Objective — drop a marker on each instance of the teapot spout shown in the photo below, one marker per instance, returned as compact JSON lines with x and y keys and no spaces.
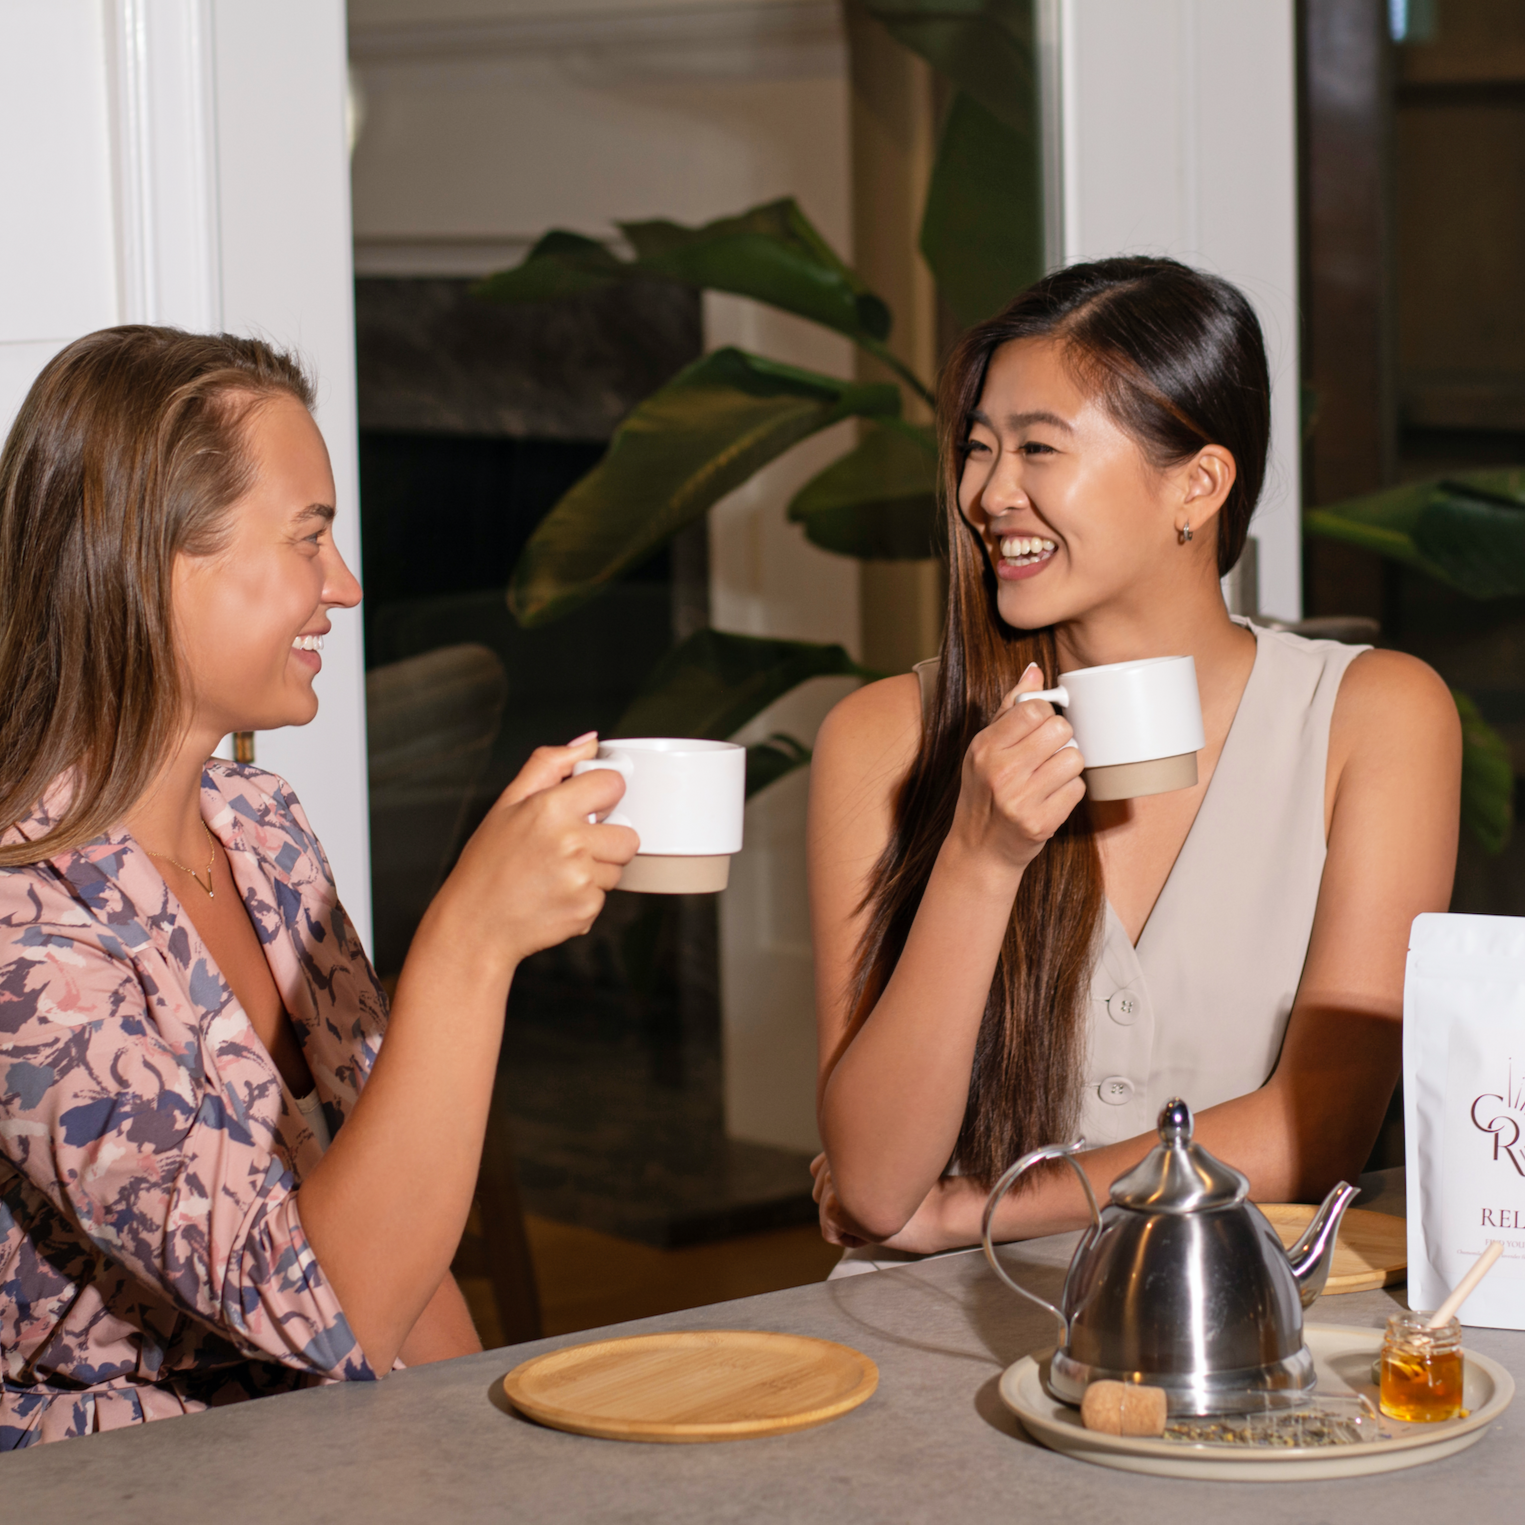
{"x":1311,"y":1256}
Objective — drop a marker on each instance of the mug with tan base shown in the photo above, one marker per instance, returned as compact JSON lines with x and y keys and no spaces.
{"x":1138,"y":725}
{"x":683,"y":798}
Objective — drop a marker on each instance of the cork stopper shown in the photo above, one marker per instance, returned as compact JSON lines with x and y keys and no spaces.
{"x":1123,"y":1408}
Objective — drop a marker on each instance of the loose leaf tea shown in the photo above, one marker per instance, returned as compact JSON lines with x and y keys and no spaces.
{"x":1300,"y":1427}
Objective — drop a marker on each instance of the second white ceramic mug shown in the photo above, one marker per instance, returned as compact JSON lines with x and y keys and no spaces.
{"x":1138,"y":724}
{"x":684,"y":799}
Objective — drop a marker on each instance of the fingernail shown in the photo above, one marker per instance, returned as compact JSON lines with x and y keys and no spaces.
{"x":577,"y":741}
{"x":1031,"y":667}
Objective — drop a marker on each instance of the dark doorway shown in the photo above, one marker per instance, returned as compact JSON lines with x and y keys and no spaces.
{"x":475,"y":419}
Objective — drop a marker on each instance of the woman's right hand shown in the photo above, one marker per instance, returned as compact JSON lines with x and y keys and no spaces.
{"x":536,"y":871}
{"x":1020,"y":781}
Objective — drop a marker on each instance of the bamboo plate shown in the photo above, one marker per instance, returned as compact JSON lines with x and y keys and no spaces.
{"x":1372,"y":1249}
{"x":1342,"y":1356}
{"x":692,"y":1385}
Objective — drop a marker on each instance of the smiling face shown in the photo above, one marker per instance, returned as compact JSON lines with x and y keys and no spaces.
{"x":1072,"y":515}
{"x":250,"y":618}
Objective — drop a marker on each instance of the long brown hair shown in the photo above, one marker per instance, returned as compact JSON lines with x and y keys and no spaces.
{"x":1177,"y":359}
{"x":126,"y":454}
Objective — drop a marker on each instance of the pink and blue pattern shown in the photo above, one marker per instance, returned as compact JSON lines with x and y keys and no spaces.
{"x":152,"y":1259}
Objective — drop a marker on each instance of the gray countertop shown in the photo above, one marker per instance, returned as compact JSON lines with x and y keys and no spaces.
{"x":934,"y":1443}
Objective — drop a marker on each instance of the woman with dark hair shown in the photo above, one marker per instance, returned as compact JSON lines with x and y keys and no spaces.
{"x":216,"y":1179}
{"x":1002,"y":964}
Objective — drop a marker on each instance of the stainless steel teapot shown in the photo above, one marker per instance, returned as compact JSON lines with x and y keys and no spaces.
{"x":1182,"y":1283}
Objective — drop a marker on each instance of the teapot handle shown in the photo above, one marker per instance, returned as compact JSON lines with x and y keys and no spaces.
{"x":1004,"y":1185}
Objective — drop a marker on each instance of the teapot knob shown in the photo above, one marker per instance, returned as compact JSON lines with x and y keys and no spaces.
{"x":1175,"y":1122}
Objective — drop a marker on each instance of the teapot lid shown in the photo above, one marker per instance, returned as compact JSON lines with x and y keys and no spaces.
{"x":1178,"y":1176}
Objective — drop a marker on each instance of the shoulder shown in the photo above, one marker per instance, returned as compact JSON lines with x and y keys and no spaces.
{"x":878,"y":722}
{"x":1383,"y":690}
{"x":268,"y":811}
{"x":253,"y":786}
{"x":68,"y":958}
{"x":44,"y":920}
{"x":1394,"y":713}
{"x":1375,"y":690}
{"x":863,"y":751}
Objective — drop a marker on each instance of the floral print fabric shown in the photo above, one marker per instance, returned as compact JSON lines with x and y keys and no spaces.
{"x":152,"y":1259}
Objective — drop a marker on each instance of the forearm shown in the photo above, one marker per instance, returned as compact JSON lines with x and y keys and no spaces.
{"x":444,"y":1329}
{"x":385,"y":1208}
{"x":894,"y":1102}
{"x":1293,"y":1139}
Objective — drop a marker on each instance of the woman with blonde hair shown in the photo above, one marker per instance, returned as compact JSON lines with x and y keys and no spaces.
{"x":225,"y":1170}
{"x":1002,"y":964}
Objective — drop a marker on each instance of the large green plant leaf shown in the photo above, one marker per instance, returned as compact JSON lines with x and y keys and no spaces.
{"x":678,"y":452}
{"x":984,"y":46}
{"x":1382,"y":522}
{"x":772,"y":253}
{"x":560,"y":265}
{"x":879,"y":501}
{"x":773,"y":759}
{"x":713,"y":683}
{"x":1467,"y":531}
{"x":1487,"y":778}
{"x":1476,"y":536}
{"x":982,"y":228}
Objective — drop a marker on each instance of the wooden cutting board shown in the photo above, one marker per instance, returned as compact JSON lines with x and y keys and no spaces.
{"x":1371,"y":1251}
{"x":692,"y":1385}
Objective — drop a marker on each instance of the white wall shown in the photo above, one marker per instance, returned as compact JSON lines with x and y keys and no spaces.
{"x":1172,"y":129}
{"x":183,"y":162}
{"x":284,"y":231}
{"x":764,"y":580}
{"x":60,"y":280}
{"x":488,"y":121}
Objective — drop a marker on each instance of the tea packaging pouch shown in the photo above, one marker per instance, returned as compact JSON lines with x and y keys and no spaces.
{"x":1464,"y":1111}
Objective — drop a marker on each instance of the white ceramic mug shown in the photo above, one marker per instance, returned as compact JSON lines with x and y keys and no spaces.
{"x":1138,"y":724}
{"x":684,"y":799}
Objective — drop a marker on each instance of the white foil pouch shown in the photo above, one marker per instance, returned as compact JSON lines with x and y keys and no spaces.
{"x":1464,"y":1111}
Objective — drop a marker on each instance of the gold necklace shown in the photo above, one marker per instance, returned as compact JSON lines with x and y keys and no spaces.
{"x":211,"y":861}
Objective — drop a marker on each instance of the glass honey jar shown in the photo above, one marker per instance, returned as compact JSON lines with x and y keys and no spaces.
{"x":1421,"y":1369}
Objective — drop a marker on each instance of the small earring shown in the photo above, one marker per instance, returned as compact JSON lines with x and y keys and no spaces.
{"x":1183,"y":535}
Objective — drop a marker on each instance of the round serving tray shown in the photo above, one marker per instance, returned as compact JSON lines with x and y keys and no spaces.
{"x":1342,"y":1355}
{"x":692,"y":1385}
{"x":1371,"y":1250}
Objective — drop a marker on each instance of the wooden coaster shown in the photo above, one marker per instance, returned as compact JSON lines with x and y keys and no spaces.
{"x":692,"y":1385}
{"x":1371,"y":1251}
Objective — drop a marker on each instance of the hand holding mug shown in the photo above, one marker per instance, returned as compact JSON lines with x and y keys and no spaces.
{"x":1138,"y":724}
{"x":536,"y":871}
{"x":1130,"y":729}
{"x":1021,"y":779}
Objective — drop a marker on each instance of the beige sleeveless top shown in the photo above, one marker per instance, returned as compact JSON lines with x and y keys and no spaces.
{"x":1199,"y":1007}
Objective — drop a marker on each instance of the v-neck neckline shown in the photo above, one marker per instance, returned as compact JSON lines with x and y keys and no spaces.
{"x":1196,"y":820}
{"x":231,"y":836}
{"x":271,"y":862}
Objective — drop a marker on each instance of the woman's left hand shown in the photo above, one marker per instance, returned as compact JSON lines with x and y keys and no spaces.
{"x":836,"y":1226}
{"x":924,"y":1234}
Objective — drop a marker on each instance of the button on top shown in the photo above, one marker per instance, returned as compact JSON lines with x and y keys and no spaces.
{"x":1122,"y":1007}
{"x":1116,"y":1090}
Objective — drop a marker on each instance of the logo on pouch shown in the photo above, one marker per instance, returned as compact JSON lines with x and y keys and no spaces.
{"x":1503,"y":1116}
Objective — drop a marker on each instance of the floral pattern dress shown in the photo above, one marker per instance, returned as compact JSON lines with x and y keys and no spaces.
{"x":152,"y":1259}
